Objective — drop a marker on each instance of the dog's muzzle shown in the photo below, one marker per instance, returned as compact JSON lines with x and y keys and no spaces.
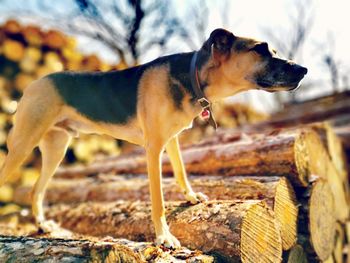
{"x":286,"y":77}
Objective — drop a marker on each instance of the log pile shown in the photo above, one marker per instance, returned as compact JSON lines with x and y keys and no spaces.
{"x":27,"y":53}
{"x":278,"y":190}
{"x":288,"y":175}
{"x":334,"y":109}
{"x":230,"y":230}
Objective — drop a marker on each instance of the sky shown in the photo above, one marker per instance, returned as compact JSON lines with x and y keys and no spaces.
{"x":329,"y":33}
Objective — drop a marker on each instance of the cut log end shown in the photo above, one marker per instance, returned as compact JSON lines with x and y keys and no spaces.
{"x":322,"y":219}
{"x":260,"y":238}
{"x":286,"y":212}
{"x":310,"y":155}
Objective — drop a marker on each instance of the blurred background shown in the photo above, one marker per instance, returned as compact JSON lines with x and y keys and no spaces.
{"x":38,"y":37}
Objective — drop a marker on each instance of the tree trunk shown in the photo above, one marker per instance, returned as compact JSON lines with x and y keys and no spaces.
{"x":294,"y":154}
{"x":317,"y":220}
{"x":87,"y":249}
{"x":244,"y":230}
{"x":276,"y":191}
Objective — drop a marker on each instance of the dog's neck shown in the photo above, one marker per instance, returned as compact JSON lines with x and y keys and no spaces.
{"x":201,"y":98}
{"x":217,"y":87}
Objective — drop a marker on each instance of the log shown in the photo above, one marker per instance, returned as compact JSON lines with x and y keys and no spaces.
{"x":54,"y":39}
{"x":335,"y":149}
{"x":344,"y":135}
{"x":295,"y":255}
{"x":316,"y":110}
{"x":276,"y":191}
{"x":294,"y":154}
{"x":12,"y":27}
{"x":338,"y":190}
{"x":13,"y":50}
{"x":232,"y":230}
{"x":23,"y":80}
{"x":87,"y":249}
{"x":339,"y":243}
{"x":317,"y":221}
{"x":33,"y":35}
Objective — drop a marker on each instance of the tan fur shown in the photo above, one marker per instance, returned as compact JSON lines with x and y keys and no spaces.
{"x":232,"y":72}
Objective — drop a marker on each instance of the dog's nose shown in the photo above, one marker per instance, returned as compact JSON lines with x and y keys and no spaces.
{"x":300,"y":70}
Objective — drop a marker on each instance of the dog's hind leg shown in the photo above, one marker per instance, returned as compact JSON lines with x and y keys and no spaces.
{"x":35,"y":114}
{"x":53,"y":147}
{"x":173,"y":150}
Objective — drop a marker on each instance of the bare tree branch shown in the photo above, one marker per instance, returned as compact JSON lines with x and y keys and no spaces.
{"x":119,"y":25}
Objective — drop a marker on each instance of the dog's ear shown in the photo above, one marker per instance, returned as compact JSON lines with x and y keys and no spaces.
{"x":219,"y":44}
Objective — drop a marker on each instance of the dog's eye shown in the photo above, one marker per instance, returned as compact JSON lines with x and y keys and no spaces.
{"x":262,"y":49}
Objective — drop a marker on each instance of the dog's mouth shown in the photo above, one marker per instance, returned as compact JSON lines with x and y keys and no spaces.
{"x":278,"y":86}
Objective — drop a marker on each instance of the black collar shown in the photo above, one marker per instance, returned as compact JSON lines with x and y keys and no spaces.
{"x":207,"y":113}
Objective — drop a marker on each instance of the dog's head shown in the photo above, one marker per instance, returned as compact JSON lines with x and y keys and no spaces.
{"x":246,"y":63}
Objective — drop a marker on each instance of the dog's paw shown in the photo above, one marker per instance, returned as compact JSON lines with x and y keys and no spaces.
{"x":168,"y":240}
{"x":52,"y":228}
{"x":195,"y":198}
{"x":48,"y":226}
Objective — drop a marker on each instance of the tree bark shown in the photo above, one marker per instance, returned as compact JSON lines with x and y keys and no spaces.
{"x":244,"y":230}
{"x":317,"y":220}
{"x":293,"y":154}
{"x":87,"y":249}
{"x":276,"y":191}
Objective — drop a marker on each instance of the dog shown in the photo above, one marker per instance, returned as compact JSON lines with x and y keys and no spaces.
{"x":148,"y":105}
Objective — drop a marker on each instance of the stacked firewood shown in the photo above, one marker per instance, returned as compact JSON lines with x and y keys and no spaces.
{"x":284,"y":190}
{"x":278,"y":190}
{"x":273,"y":188}
{"x":28,"y":53}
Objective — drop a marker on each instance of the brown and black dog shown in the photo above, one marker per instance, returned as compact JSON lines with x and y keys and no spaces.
{"x":148,"y":105}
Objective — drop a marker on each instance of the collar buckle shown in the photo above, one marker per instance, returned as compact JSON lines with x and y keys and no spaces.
{"x":204,"y":103}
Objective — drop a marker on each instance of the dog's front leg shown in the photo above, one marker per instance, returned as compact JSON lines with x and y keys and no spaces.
{"x":163,"y":236}
{"x":173,"y":150}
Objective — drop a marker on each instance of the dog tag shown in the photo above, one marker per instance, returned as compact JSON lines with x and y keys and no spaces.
{"x":205,"y":114}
